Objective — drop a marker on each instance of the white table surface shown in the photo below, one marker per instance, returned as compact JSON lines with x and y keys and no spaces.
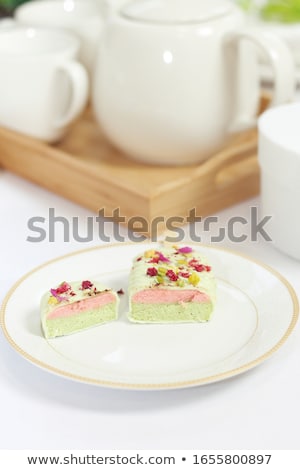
{"x":259,"y":409}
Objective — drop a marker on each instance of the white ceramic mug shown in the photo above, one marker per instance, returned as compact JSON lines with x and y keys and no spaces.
{"x":175,"y":77}
{"x":7,"y":23}
{"x":82,"y":17}
{"x":43,"y":88}
{"x":279,"y":158}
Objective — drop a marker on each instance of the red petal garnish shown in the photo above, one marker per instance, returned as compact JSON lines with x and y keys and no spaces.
{"x":86,"y":285}
{"x":139,"y":259}
{"x":152,"y":272}
{"x":186,"y":275}
{"x":57,"y":296}
{"x":64,"y":287}
{"x":171,"y":275}
{"x":120,"y":292}
{"x":199,"y":268}
{"x":154,"y":260}
{"x":193,"y":262}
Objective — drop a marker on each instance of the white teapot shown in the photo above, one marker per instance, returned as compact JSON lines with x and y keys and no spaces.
{"x":174,"y":78}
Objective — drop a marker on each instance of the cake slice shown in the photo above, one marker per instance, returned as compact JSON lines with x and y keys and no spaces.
{"x":171,"y":285}
{"x":75,"y":306}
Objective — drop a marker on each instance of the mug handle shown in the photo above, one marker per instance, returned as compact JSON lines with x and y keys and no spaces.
{"x":78,"y":78}
{"x":283,"y":66}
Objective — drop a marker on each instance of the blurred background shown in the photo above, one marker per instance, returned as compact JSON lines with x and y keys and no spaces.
{"x":7,"y":6}
{"x":278,"y":10}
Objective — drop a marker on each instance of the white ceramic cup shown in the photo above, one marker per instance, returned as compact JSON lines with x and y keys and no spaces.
{"x":42,"y":86}
{"x":82,"y":17}
{"x":7,"y":23}
{"x":175,"y":77}
{"x":279,"y":158}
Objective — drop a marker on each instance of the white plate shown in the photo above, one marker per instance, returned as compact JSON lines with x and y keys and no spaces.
{"x":256,"y":311}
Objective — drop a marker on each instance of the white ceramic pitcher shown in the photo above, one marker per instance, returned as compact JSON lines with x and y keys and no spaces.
{"x":175,"y":77}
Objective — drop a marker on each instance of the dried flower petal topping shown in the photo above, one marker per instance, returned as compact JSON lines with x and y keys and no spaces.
{"x":185,"y":249}
{"x":56,"y":294}
{"x":58,"y":297}
{"x":86,"y":285}
{"x":180,"y":267}
{"x":152,"y":272}
{"x":171,"y":275}
{"x":162,"y":258}
{"x":199,"y":268}
{"x":63,"y":288}
{"x":193,"y":262}
{"x":120,"y":292}
{"x":184,"y":274}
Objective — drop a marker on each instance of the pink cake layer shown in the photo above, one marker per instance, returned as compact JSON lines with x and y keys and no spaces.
{"x":82,"y":306}
{"x":165,"y":296}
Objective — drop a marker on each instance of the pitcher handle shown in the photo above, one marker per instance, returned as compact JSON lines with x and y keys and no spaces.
{"x":283,"y":67}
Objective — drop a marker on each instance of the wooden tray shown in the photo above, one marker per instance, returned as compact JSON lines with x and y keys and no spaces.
{"x":88,"y":170}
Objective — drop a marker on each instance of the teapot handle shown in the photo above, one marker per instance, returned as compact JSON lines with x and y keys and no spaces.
{"x":244,"y":59}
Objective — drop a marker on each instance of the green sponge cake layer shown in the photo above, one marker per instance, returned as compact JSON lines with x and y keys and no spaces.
{"x":171,"y":285}
{"x":66,"y":326}
{"x":167,"y":313}
{"x":76,"y":306}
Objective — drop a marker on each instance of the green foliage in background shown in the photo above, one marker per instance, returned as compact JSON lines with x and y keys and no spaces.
{"x":245,"y":4}
{"x":286,"y":11}
{"x":10,"y":4}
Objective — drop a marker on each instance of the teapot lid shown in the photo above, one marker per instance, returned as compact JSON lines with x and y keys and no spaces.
{"x":175,"y":11}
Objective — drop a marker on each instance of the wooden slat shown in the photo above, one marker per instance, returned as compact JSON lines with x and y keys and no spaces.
{"x":88,"y":170}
